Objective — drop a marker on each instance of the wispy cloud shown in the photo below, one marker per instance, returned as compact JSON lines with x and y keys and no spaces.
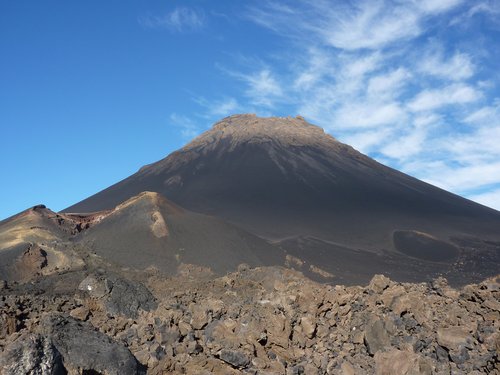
{"x":388,"y":85}
{"x":413,"y":139}
{"x":449,"y":95}
{"x":217,"y":108}
{"x":465,"y":178}
{"x":456,"y":68}
{"x":489,"y":7}
{"x":181,"y":19}
{"x":490,"y":198}
{"x":368,"y":114}
{"x":435,"y":7}
{"x":379,"y":77}
{"x":188,"y":127}
{"x":363,"y":25}
{"x":262,"y":87}
{"x":487,"y":115}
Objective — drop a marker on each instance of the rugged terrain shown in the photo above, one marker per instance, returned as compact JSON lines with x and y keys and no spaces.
{"x":253,"y":321}
{"x":264,"y":246}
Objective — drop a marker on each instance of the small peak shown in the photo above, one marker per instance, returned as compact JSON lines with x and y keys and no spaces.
{"x":149,"y":194}
{"x":154,"y":198}
{"x":40,"y":209}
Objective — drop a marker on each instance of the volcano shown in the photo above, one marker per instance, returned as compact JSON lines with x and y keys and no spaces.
{"x":149,"y":231}
{"x":289,"y":182}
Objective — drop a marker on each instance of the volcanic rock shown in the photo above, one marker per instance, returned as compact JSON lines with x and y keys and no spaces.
{"x":399,"y":362}
{"x":83,"y":348}
{"x":376,"y":336}
{"x":453,"y":337}
{"x":256,"y":320}
{"x":31,"y":354}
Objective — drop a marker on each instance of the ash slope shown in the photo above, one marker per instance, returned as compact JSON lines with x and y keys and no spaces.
{"x":284,"y":179}
{"x":149,"y":231}
{"x":145,"y":231}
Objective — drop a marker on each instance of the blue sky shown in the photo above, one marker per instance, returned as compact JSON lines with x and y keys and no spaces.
{"x":92,"y":90}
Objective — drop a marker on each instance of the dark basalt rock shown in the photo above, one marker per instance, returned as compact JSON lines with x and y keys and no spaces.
{"x":83,"y":348}
{"x":120,"y":296}
{"x":234,"y":358}
{"x":31,"y":354}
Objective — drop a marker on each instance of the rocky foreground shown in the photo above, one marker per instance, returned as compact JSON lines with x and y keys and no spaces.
{"x":256,"y":321}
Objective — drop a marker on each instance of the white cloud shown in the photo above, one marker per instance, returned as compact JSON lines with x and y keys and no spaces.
{"x":367,"y":115}
{"x":434,"y":7}
{"x":488,"y":7}
{"x":224,"y":108}
{"x":181,"y":19}
{"x":217,"y":108}
{"x":449,"y":95}
{"x":356,"y":66}
{"x":466,"y":178}
{"x":262,"y":87}
{"x":457,"y":67}
{"x":490,"y":199}
{"x":489,"y":114}
{"x":368,"y":24}
{"x":189,"y":128}
{"x":388,"y":85}
{"x":407,"y":145}
{"x":412,"y":140}
{"x":367,"y":140}
{"x":319,"y":64}
{"x":482,"y":144}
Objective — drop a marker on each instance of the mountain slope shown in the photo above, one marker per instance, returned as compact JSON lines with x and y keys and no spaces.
{"x":285,"y":179}
{"x":149,"y":231}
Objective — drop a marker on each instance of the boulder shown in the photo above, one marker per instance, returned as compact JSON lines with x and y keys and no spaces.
{"x":83,"y":348}
{"x":347,"y":369}
{"x":80,"y":313}
{"x":31,"y":354}
{"x":379,"y":283}
{"x":399,"y":362}
{"x":235,"y":358}
{"x":120,"y":296}
{"x":127,"y":297}
{"x":453,"y":337}
{"x":96,"y":286}
{"x":199,"y":316}
{"x":308,"y":326}
{"x":376,"y":337}
{"x":492,"y":304}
